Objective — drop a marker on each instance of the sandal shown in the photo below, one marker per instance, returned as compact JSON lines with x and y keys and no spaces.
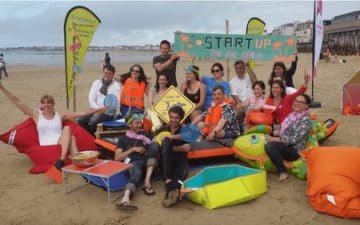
{"x":148,"y":190}
{"x":126,"y":206}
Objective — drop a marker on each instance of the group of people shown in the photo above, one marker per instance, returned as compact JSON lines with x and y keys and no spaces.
{"x":220,"y":108}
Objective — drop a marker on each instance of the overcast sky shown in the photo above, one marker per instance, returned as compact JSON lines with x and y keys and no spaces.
{"x":148,"y":22}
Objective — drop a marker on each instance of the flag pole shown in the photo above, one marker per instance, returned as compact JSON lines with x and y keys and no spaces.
{"x":313,"y":104}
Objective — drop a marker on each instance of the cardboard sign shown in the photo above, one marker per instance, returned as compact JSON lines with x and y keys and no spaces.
{"x":231,"y":46}
{"x":171,"y":97}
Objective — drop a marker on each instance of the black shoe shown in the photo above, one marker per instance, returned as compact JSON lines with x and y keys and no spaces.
{"x":59,"y":164}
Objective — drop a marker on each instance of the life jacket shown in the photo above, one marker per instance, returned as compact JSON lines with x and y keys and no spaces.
{"x":213,"y":116}
{"x":133,"y":94}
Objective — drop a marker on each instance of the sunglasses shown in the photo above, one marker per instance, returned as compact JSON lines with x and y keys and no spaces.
{"x":215,"y":71}
{"x":135,"y":71}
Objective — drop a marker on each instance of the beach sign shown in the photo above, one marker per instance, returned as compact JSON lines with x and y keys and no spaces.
{"x":171,"y":97}
{"x":232,"y":46}
{"x":79,"y":27}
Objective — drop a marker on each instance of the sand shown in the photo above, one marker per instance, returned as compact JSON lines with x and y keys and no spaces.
{"x":36,"y":200}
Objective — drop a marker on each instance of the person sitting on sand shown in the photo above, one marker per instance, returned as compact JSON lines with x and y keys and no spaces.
{"x":134,"y":147}
{"x":99,"y":90}
{"x":174,"y":163}
{"x":49,"y":123}
{"x":220,"y":120}
{"x":294,"y":132}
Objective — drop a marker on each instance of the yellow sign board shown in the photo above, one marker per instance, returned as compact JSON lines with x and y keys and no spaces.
{"x":172,"y":96}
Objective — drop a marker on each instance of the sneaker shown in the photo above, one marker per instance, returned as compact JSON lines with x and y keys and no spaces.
{"x":59,"y":164}
{"x":171,"y":199}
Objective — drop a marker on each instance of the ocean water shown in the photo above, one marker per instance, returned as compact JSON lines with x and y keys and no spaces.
{"x":57,"y":58}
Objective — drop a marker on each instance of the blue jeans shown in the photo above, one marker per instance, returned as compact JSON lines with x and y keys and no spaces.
{"x":134,"y":110}
{"x":137,"y":171}
{"x":90,"y":122}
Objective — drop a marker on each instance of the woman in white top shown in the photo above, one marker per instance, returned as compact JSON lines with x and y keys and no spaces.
{"x":49,"y":123}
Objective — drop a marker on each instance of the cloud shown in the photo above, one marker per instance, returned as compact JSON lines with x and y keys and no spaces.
{"x":131,"y":23}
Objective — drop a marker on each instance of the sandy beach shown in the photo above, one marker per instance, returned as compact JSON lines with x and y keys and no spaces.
{"x":27,"y":199}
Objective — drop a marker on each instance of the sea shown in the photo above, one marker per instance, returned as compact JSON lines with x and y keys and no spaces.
{"x":57,"y":58}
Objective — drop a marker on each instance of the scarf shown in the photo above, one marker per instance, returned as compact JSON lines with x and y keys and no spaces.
{"x":139,"y":137}
{"x":290,"y":119}
{"x":105,"y":85}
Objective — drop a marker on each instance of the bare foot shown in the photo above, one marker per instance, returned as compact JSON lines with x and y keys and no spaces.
{"x":283,"y":177}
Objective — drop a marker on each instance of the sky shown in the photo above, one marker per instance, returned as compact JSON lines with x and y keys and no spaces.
{"x":34,"y":23}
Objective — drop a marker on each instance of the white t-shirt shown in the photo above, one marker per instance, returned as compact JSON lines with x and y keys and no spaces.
{"x":290,"y":90}
{"x":49,"y":131}
{"x":96,"y":98}
{"x":241,"y":87}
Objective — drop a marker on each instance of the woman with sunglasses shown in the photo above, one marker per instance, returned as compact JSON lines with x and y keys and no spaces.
{"x":193,"y":89}
{"x":49,"y":123}
{"x":135,"y":86}
{"x":294,"y":132}
{"x":217,"y":71}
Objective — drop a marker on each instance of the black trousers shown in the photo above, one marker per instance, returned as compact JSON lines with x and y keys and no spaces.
{"x":278,"y":151}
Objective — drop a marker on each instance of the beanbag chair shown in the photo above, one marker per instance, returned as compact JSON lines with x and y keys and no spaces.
{"x":256,"y":117}
{"x":221,"y":186}
{"x":333,"y":185}
{"x":25,"y":139}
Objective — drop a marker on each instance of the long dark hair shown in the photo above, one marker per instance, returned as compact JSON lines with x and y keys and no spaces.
{"x":141,"y":78}
{"x":282,"y":86}
{"x":272,"y":75}
{"x":157,"y":82}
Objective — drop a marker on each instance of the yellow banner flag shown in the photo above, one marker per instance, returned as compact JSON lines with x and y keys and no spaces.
{"x":255,"y":26}
{"x":79,"y":27}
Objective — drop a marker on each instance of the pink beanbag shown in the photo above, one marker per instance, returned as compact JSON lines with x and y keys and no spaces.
{"x":24,"y":138}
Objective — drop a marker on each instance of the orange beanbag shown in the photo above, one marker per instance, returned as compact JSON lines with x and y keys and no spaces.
{"x":334,"y":180}
{"x":256,"y":117}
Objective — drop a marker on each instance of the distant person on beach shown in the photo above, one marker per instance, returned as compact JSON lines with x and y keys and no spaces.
{"x":217,"y":70}
{"x":2,"y":66}
{"x":99,"y":90}
{"x":135,"y":147}
{"x":106,"y":61}
{"x":49,"y":123}
{"x":135,"y":87}
{"x":165,"y":63}
{"x":280,"y":69}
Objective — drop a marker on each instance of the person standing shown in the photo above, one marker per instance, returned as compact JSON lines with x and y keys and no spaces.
{"x":98,"y":91}
{"x":2,"y":66}
{"x":165,"y":63}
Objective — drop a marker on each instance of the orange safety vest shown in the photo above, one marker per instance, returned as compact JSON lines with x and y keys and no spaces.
{"x":133,"y":93}
{"x":213,"y":116}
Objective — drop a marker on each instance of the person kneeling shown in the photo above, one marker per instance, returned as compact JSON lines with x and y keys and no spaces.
{"x":220,"y":120}
{"x":134,"y":147}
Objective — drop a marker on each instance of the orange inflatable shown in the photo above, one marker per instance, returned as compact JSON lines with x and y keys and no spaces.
{"x":334,"y":180}
{"x":256,"y":117}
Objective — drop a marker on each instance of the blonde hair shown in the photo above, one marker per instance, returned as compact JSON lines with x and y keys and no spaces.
{"x":47,"y":98}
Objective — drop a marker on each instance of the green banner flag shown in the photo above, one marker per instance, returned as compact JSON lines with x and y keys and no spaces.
{"x":231,"y":46}
{"x":79,"y":27}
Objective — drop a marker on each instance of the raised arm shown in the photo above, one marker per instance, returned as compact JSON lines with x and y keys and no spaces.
{"x":74,"y":115}
{"x":251,"y":73}
{"x":20,"y":104}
